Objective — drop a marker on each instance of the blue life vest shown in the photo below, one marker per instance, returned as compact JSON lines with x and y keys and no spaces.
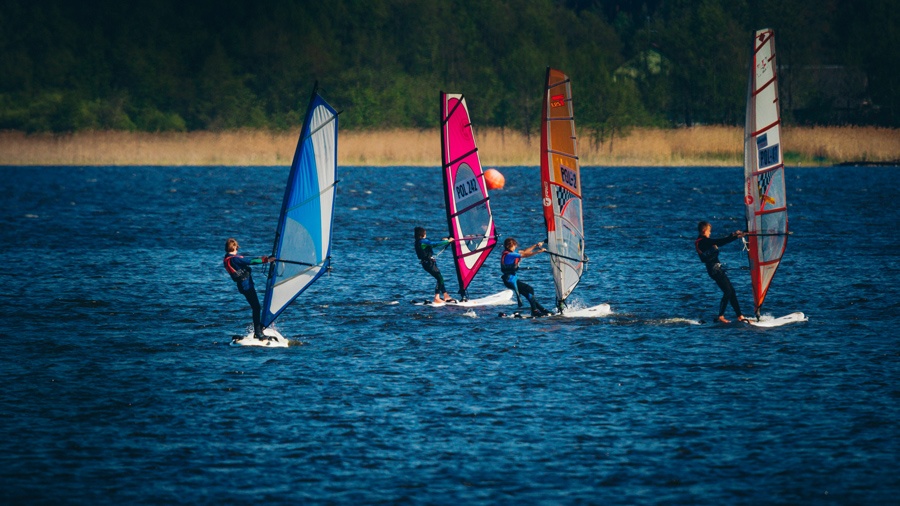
{"x":506,"y":268}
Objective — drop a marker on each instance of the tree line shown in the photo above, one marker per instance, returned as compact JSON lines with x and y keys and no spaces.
{"x":165,"y":65}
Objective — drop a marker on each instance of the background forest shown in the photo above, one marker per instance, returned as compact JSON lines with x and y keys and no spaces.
{"x":165,"y":65}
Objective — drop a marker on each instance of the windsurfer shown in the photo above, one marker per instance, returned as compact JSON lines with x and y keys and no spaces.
{"x":239,"y":269}
{"x":509,"y":265}
{"x":425,"y":253}
{"x":708,"y":251}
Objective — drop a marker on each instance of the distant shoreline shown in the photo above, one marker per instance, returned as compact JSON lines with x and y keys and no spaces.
{"x":703,"y":146}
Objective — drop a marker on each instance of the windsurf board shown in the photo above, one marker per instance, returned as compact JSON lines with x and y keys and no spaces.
{"x":525,"y":314}
{"x":505,"y":297}
{"x":429,"y":302}
{"x":777,"y":322}
{"x":276,"y":340}
{"x":597,"y":311}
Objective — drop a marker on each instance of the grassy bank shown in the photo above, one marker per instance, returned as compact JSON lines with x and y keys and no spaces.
{"x":709,"y":145}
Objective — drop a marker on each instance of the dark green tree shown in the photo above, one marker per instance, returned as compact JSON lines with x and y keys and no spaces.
{"x":158,"y":65}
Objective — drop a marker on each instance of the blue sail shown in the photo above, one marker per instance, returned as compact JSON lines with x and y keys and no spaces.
{"x":303,"y":238}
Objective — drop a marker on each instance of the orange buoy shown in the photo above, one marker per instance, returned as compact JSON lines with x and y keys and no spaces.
{"x":494,"y":179}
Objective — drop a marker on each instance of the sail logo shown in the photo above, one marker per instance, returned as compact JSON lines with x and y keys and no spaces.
{"x":763,"y":66}
{"x":557,"y":101}
{"x":467,"y":188}
{"x":568,"y":176}
{"x":768,"y":156}
{"x":466,"y":185}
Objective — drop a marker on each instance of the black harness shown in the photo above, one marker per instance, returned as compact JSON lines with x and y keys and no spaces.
{"x":709,"y":257}
{"x":424,"y":252}
{"x":237,"y":275}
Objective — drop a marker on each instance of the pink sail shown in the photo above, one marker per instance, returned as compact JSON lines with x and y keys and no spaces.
{"x":465,"y":192}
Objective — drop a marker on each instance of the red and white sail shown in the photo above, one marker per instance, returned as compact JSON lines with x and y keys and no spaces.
{"x":764,"y":186}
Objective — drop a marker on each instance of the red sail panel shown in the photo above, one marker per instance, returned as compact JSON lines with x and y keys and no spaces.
{"x":466,"y":195}
{"x":561,"y":185}
{"x":764,"y":185}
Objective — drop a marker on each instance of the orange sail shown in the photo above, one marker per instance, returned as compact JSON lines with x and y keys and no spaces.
{"x":561,"y":186}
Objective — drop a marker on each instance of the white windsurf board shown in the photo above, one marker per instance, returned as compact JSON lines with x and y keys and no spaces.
{"x":597,"y":311}
{"x":428,"y":302}
{"x":777,"y":322}
{"x":276,"y":340}
{"x":505,"y":297}
{"x":524,"y":314}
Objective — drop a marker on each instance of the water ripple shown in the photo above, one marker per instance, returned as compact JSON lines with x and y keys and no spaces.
{"x":120,"y":385}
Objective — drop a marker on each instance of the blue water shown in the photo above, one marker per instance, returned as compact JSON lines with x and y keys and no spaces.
{"x":119,"y":387}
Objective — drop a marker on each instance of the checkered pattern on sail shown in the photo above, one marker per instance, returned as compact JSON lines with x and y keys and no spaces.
{"x":562,"y":196}
{"x":763,"y":182}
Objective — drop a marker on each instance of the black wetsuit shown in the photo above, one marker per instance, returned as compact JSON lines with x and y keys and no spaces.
{"x":708,"y":251}
{"x":425,"y":252}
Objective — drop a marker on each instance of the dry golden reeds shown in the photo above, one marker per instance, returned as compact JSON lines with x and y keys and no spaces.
{"x":706,"y":145}
{"x":823,"y":144}
{"x":390,"y":147}
{"x":244,"y":147}
{"x":709,"y":145}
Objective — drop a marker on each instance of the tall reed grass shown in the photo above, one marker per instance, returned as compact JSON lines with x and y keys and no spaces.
{"x":706,"y":145}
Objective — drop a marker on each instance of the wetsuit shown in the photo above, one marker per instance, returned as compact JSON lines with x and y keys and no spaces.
{"x":425,"y":252}
{"x":708,"y":251}
{"x":239,"y":269}
{"x":509,"y":265}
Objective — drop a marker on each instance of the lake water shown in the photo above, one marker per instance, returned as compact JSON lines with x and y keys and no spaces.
{"x":119,"y":386}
